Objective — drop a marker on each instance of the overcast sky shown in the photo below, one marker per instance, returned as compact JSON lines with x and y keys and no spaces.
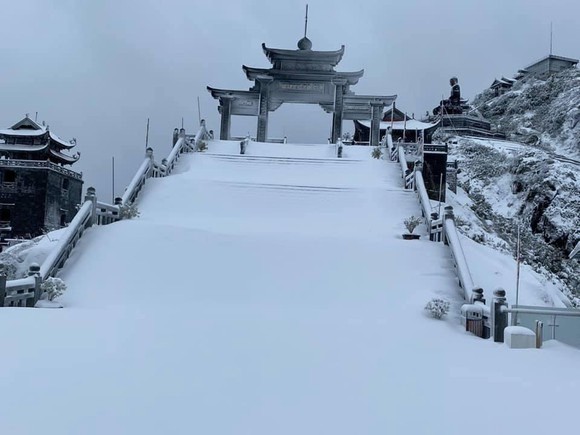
{"x":97,"y":69}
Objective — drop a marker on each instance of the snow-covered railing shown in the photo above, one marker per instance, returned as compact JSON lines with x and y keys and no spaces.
{"x":19,"y":292}
{"x":138,"y":180}
{"x":84,"y":218}
{"x":40,"y":164}
{"x":440,"y":228}
{"x":422,"y":192}
{"x":451,"y":238}
{"x":107,"y":213}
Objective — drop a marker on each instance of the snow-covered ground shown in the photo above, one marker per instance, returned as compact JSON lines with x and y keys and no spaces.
{"x":271,"y":293}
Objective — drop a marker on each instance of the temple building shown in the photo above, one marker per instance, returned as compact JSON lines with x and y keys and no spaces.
{"x":300,"y":76}
{"x":37,"y":191}
{"x":502,"y":85}
{"x":403,"y":128}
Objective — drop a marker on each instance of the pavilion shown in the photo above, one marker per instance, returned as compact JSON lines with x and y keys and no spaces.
{"x":301,"y":76}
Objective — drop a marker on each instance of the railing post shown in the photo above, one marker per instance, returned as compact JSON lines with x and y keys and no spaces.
{"x":499,"y":316}
{"x":175,"y":135}
{"x":539,"y":333}
{"x":2,"y":288}
{"x":339,"y":148}
{"x":447,"y":214}
{"x":477,"y":295}
{"x":34,"y":270}
{"x":91,"y":195}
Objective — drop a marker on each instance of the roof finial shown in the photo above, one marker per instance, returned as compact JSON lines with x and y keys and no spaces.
{"x":27,"y":115}
{"x":306,"y":21}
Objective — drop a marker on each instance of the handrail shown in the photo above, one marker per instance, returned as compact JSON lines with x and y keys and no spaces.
{"x":452,"y":239}
{"x":137,"y":182}
{"x":423,"y":196}
{"x":58,"y":256}
{"x":403,"y":160}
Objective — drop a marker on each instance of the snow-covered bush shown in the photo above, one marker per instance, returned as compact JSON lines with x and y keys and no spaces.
{"x":9,"y":265}
{"x":53,"y":288}
{"x":411,"y":223}
{"x":376,"y":153}
{"x":129,"y":211}
{"x":201,"y":146}
{"x":437,"y":307}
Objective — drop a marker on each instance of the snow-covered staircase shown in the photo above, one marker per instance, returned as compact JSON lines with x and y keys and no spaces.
{"x":264,"y":293}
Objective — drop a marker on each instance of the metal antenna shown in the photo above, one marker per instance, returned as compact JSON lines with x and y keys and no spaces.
{"x":551,"y":38}
{"x":147,"y":135}
{"x":198,"y":111}
{"x":306,"y":21}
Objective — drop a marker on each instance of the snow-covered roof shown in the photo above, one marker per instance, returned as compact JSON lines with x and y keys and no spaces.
{"x":60,"y":141}
{"x":412,"y":124}
{"x":64,"y":157}
{"x":554,"y":57}
{"x":20,"y":147}
{"x":28,"y":128}
{"x":23,"y":132}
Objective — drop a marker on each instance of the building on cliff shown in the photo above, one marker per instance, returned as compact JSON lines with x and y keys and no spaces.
{"x":37,"y":191}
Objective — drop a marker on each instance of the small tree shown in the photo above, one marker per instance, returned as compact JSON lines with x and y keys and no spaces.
{"x":376,"y":153}
{"x":437,"y":307}
{"x":128,"y":211}
{"x":53,"y":288}
{"x":411,"y":223}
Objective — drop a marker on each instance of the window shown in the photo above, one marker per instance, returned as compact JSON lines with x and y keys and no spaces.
{"x":5,"y":216}
{"x":8,"y":176}
{"x":65,"y":183}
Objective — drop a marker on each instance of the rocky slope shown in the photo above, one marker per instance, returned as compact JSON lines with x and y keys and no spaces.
{"x":531,"y":181}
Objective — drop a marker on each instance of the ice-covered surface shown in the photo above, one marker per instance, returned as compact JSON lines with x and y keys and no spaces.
{"x":268,"y":293}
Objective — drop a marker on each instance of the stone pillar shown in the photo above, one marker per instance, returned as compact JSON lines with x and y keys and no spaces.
{"x":338,"y":109}
{"x":226,"y":120}
{"x":262,"y":131}
{"x":34,"y":270}
{"x":376,"y":112}
{"x":92,"y":196}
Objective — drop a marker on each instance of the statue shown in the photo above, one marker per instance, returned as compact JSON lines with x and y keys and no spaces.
{"x":451,"y":106}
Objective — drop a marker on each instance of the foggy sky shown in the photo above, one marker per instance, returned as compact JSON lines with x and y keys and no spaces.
{"x":97,"y":69}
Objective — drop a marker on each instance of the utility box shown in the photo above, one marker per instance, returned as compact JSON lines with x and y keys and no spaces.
{"x":473,"y":315}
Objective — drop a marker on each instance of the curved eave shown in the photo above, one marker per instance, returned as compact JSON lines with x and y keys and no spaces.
{"x":400,"y":125}
{"x":252,"y":73}
{"x":61,"y":143}
{"x":63,"y":158}
{"x":331,"y":57}
{"x":21,"y":133}
{"x":230,"y":93}
{"x":22,"y":148}
{"x":351,"y":77}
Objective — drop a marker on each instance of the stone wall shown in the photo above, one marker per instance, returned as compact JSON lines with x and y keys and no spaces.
{"x":38,"y":199}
